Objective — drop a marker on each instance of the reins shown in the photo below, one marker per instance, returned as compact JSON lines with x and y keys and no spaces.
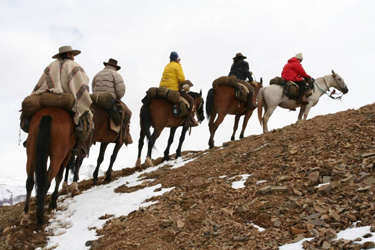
{"x":330,"y":93}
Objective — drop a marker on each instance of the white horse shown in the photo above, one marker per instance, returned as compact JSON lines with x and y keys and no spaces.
{"x":272,"y":96}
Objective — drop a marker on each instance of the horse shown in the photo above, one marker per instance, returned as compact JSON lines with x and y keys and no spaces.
{"x":103,"y":134}
{"x":51,"y":134}
{"x":221,"y":101}
{"x":157,"y":113}
{"x":272,"y":96}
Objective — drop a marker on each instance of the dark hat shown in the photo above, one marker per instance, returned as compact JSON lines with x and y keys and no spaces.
{"x":66,"y":49}
{"x":174,"y":56}
{"x":239,"y":55}
{"x":112,"y":62}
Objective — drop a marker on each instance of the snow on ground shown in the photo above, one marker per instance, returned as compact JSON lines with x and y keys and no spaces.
{"x":240,"y":183}
{"x":71,"y":224}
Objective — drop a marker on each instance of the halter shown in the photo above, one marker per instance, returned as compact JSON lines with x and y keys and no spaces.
{"x":330,"y":93}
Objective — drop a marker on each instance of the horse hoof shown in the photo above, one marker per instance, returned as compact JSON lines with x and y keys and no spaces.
{"x":149,"y":162}
{"x":138,"y":163}
{"x":25,"y":219}
{"x":75,"y":189}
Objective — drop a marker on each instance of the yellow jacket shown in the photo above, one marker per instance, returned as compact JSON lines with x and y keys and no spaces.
{"x":172,"y":76}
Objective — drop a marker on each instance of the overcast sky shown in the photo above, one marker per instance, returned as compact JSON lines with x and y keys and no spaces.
{"x":140,"y":34}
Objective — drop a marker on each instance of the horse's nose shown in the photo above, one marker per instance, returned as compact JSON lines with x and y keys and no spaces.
{"x":346,"y":90}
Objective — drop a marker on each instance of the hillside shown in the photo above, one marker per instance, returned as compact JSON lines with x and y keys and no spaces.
{"x":281,"y":173}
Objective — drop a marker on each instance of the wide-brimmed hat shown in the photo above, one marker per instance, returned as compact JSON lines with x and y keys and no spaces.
{"x":239,"y":55}
{"x":299,"y":56}
{"x":66,"y":49}
{"x":112,"y":62}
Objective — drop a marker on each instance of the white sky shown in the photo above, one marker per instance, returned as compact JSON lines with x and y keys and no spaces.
{"x":335,"y":35}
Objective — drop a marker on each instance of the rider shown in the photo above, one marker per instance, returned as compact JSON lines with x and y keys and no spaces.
{"x":171,"y":79}
{"x":108,"y":80}
{"x":64,"y":75}
{"x":240,"y":69}
{"x":293,"y":71}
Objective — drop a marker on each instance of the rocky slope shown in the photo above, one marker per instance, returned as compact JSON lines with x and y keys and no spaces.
{"x":283,"y":193}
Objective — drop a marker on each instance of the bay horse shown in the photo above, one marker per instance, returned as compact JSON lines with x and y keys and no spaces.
{"x":101,"y":133}
{"x":157,"y":112}
{"x":51,"y":135}
{"x":221,"y":101}
{"x":272,"y":96}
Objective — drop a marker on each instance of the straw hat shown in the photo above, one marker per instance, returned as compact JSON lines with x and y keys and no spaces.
{"x":239,"y":55}
{"x":66,"y":49}
{"x":112,"y":62}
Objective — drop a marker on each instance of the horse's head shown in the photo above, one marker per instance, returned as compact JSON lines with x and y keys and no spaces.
{"x":339,"y":83}
{"x":257,"y":86}
{"x":199,"y":104}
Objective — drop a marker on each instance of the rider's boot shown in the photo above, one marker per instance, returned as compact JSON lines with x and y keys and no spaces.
{"x":190,"y":120}
{"x":249,"y":103}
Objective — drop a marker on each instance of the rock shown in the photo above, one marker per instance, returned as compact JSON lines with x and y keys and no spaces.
{"x":277,"y":223}
{"x":264,"y":190}
{"x":298,"y":238}
{"x":312,"y":216}
{"x":165,"y":223}
{"x":368,"y":235}
{"x":330,"y":234}
{"x":326,"y":179}
{"x":281,"y":189}
{"x":334,"y":216}
{"x":180,"y":223}
{"x":313,"y":178}
{"x":294,"y":230}
{"x":364,"y":189}
{"x":365,"y":155}
{"x":351,"y":217}
{"x":325,"y":189}
{"x":368,"y":245}
{"x":317,"y":222}
{"x":326,"y":245}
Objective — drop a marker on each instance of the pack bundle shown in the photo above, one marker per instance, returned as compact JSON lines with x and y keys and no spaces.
{"x":171,"y":95}
{"x":103,"y":100}
{"x":34,"y":103}
{"x":230,"y":81}
{"x":278,"y":81}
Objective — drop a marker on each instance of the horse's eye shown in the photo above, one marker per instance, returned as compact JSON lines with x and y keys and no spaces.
{"x":339,"y":79}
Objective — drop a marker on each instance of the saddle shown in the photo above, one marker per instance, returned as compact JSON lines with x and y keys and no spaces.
{"x":241,"y":87}
{"x":33,"y":103}
{"x":291,"y":89}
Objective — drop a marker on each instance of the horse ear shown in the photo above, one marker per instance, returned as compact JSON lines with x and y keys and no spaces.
{"x":261,"y":81}
{"x":200,"y":93}
{"x":333,"y":72}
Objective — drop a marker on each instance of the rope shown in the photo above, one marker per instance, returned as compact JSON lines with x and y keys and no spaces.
{"x":325,"y":92}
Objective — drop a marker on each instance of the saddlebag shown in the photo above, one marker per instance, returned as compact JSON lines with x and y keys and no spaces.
{"x":171,"y":95}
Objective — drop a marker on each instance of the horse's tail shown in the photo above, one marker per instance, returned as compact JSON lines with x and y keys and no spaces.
{"x":261,"y":103}
{"x":43,"y":142}
{"x":210,"y":103}
{"x":145,"y":117}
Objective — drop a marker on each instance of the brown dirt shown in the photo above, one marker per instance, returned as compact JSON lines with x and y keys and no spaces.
{"x":203,"y":211}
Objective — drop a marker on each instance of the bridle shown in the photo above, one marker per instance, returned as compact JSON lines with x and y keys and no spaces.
{"x":330,"y":93}
{"x":197,"y":108}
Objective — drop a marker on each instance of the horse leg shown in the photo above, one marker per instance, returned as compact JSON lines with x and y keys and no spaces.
{"x":103,"y":147}
{"x":170,"y":140}
{"x":113,"y":158}
{"x":182,"y":138}
{"x":53,"y":204}
{"x":210,"y":127}
{"x":65,"y":186}
{"x":245,"y":121}
{"x":266,"y":117}
{"x":151,"y":143}
{"x":235,"y":127}
{"x":74,"y":187}
{"x":301,"y":111}
{"x":214,"y":127}
{"x":29,"y":188}
{"x":140,"y":147}
{"x":306,"y":112}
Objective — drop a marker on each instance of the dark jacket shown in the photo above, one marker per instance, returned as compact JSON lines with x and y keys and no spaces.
{"x":241,"y":70}
{"x":293,"y":71}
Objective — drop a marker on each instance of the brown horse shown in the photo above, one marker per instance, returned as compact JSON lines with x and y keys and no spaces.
{"x":51,"y":135}
{"x":103,"y":134}
{"x":158,"y":114}
{"x":221,"y":101}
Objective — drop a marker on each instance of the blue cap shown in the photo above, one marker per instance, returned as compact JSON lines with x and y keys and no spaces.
{"x":173,"y":56}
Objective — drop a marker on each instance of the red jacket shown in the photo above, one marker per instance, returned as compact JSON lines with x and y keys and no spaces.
{"x":293,"y":71}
